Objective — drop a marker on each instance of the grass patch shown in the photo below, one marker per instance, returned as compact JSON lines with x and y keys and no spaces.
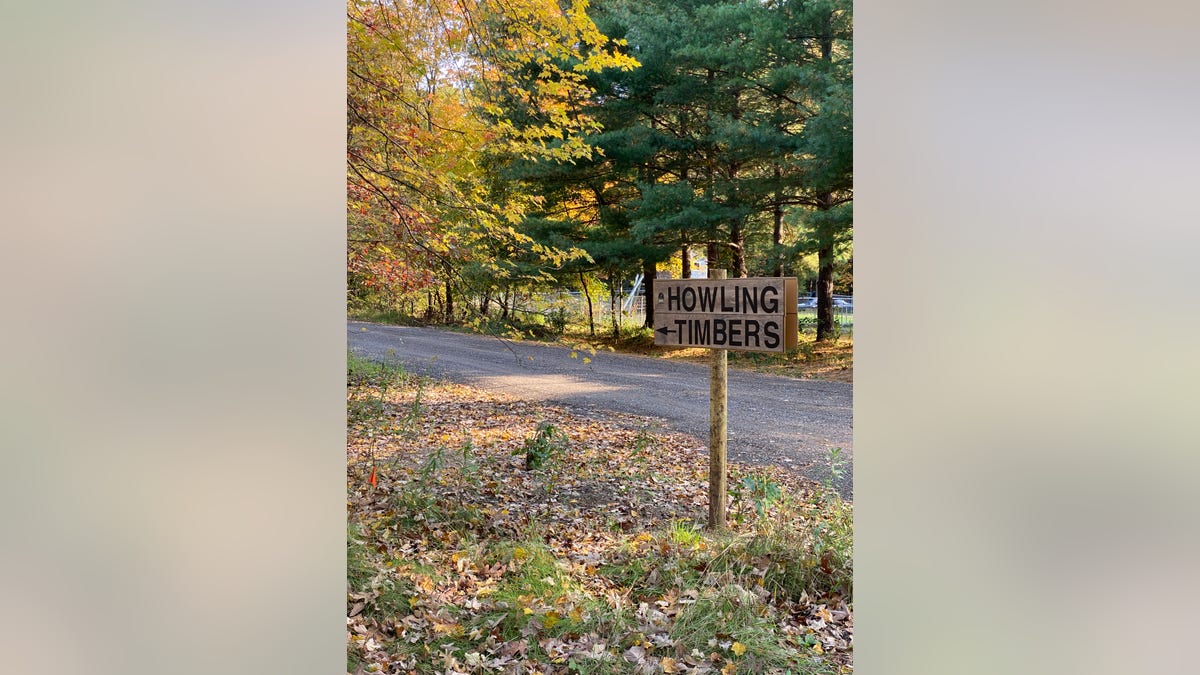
{"x":735,"y":622}
{"x":374,"y":590}
{"x":360,"y":568}
{"x":393,"y":317}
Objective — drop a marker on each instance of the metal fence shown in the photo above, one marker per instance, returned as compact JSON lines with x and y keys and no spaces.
{"x":633,"y":309}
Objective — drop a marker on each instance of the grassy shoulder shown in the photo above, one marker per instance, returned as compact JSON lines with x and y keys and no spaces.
{"x":832,"y":360}
{"x":487,"y":534}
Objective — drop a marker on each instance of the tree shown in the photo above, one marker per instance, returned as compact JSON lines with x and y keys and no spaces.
{"x":826,"y":148}
{"x":423,"y":78}
{"x":495,"y":147}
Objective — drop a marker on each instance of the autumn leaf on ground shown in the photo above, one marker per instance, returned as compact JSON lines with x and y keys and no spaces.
{"x":459,"y":547}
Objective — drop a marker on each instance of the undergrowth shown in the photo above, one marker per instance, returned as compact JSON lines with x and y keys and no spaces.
{"x":448,"y":571}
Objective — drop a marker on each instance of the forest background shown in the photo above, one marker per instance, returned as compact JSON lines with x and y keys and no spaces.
{"x":499,"y":150}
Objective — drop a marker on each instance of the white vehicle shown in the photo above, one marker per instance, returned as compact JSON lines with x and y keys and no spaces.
{"x":839,"y":303}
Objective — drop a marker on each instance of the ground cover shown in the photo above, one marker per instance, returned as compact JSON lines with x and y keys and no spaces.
{"x":491,"y":535}
{"x":831,"y":360}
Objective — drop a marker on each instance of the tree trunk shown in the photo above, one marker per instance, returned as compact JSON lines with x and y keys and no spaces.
{"x":449,"y":303}
{"x":737,"y":246}
{"x":614,"y":306}
{"x":588,"y":294}
{"x":737,"y":233}
{"x":649,"y":271}
{"x":825,"y":252}
{"x":686,"y":257}
{"x":777,"y":233}
{"x":825,"y":293}
{"x":825,"y":327}
{"x":711,"y":252}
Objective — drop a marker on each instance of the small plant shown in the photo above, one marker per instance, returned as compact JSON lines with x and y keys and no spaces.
{"x":430,"y":466}
{"x":557,"y":319}
{"x":547,"y":443}
{"x":763,"y":492}
{"x":642,"y":442}
{"x":413,"y":415}
{"x":807,"y":350}
{"x":836,"y":470}
{"x":685,"y":534}
{"x":469,"y":468}
{"x":832,"y":542}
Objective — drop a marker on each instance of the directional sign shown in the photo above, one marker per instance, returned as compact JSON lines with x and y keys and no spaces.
{"x":749,"y":315}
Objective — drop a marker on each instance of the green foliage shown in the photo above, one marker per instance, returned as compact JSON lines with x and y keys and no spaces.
{"x":643,"y":443}
{"x":832,"y":547}
{"x":428,"y":84}
{"x":500,"y":149}
{"x":762,"y":491}
{"x":557,"y":319}
{"x":807,"y":322}
{"x":685,"y":533}
{"x":836,"y":469}
{"x":548,"y":443}
{"x":361,"y":370}
{"x":364,"y":311}
{"x":430,"y":466}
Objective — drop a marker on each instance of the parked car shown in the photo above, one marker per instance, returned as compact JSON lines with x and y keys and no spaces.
{"x":839,"y":303}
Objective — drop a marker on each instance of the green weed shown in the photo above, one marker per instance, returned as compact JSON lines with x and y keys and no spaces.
{"x":549,"y":442}
{"x":685,"y":533}
{"x":836,"y":469}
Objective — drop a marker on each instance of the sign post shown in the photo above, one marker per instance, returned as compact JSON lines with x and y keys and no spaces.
{"x":718,"y":425}
{"x":754,"y":315}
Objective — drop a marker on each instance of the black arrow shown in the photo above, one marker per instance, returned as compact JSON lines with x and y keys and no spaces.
{"x":665,"y":331}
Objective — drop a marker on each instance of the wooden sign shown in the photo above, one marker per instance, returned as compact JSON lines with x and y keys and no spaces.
{"x":748,"y":315}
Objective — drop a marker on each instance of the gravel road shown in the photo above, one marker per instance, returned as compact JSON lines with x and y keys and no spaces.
{"x":772,"y":419}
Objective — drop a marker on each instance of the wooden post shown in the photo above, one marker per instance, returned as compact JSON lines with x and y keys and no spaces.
{"x":717,"y":427}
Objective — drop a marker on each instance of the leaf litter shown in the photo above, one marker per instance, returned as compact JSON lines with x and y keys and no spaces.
{"x":461,"y":559}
